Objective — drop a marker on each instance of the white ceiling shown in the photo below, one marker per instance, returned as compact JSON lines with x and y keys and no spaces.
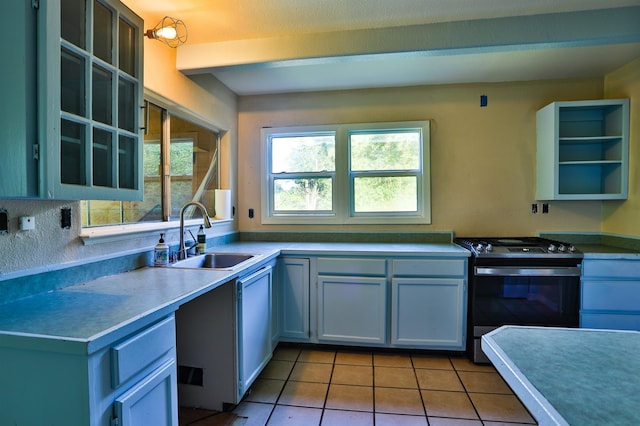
{"x":272,"y":46}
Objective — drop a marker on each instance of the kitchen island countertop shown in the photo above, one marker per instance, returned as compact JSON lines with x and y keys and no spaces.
{"x":570,"y":376}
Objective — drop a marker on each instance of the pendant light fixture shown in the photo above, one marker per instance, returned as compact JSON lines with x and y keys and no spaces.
{"x":170,"y":31}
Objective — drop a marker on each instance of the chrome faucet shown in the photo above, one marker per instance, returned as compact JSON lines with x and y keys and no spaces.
{"x":182,"y":252}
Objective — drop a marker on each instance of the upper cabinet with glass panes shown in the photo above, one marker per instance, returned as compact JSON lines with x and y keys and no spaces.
{"x":92,"y":98}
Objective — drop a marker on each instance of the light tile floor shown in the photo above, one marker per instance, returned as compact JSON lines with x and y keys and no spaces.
{"x":309,"y":386}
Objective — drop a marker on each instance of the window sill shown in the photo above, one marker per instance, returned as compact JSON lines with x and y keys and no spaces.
{"x":106,"y":234}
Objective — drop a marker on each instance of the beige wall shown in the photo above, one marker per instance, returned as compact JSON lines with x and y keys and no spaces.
{"x":482,"y":159}
{"x":623,"y":217}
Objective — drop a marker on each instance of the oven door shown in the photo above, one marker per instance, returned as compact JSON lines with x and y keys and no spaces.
{"x":546,"y":296}
{"x":514,"y":295}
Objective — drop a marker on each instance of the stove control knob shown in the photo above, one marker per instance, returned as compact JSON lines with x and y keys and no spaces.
{"x":572,"y":248}
{"x":552,"y":248}
{"x":479,"y":248}
{"x":489,"y":248}
{"x":562,"y":248}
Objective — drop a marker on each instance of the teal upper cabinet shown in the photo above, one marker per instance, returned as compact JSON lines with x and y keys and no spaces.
{"x":87,"y":142}
{"x":583,"y":150}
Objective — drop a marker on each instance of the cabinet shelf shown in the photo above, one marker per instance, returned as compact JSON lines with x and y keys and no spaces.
{"x":582,"y":150}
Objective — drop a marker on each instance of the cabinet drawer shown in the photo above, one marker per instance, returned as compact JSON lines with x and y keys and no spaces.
{"x":350,"y":266}
{"x":611,"y":268}
{"x":141,"y":351}
{"x":429,"y":267}
{"x":610,"y":321}
{"x":611,"y":295}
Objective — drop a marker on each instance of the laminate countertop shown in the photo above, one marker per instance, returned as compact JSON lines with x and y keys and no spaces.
{"x":570,"y":376}
{"x":86,"y":317}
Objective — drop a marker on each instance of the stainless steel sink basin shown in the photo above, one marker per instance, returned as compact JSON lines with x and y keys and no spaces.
{"x":215,"y":261}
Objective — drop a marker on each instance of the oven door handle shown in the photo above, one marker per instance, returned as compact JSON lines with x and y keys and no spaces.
{"x":506,"y":271}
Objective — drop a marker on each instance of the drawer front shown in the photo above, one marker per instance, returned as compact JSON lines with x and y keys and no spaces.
{"x":429,"y":267}
{"x":141,"y":351}
{"x":610,"y":321}
{"x":611,"y":268}
{"x":351,"y":266}
{"x":611,"y":295}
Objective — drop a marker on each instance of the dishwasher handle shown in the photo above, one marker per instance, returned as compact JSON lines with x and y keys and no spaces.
{"x":523,"y":271}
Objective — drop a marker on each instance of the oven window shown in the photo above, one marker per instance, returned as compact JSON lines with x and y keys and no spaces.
{"x":545,"y":301}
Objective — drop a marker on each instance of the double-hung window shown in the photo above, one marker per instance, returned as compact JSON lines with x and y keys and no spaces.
{"x":353,"y":173}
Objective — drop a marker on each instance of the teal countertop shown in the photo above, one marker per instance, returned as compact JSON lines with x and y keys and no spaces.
{"x":90,"y":315}
{"x":570,"y":376}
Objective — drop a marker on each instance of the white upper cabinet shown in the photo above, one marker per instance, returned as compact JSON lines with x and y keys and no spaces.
{"x":88,"y":143}
{"x":583,"y":150}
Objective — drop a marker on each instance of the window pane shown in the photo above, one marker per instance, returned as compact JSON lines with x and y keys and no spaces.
{"x":127,"y":158}
{"x":72,"y":82}
{"x":303,"y":154}
{"x":312,"y":194}
{"x":385,"y":194}
{"x":72,"y":21}
{"x":102,"y":158}
{"x":102,"y":94}
{"x":126,"y":105}
{"x":127,"y":48}
{"x":194,"y":166}
{"x":102,"y":32}
{"x":385,"y":151}
{"x":72,"y":153}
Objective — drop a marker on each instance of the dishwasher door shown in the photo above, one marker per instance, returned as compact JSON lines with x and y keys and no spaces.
{"x":254,"y":326}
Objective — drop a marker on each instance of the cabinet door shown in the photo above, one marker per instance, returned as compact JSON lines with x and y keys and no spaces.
{"x":90,"y":94}
{"x":428,"y":312}
{"x":153,"y":401}
{"x":293,"y":301}
{"x":254,"y":326}
{"x":18,"y":167}
{"x":352,"y":309}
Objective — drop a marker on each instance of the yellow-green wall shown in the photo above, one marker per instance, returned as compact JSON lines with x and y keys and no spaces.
{"x":482,"y":159}
{"x":623,"y":217}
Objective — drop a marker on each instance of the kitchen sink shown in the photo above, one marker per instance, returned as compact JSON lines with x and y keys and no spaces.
{"x":215,"y":261}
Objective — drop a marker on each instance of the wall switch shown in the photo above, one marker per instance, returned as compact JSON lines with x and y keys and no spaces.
{"x":545,"y":208}
{"x":27,"y":223}
{"x":534,"y":208}
{"x":250,"y":213}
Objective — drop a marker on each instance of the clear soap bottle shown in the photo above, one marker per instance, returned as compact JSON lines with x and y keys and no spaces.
{"x":161,"y":253}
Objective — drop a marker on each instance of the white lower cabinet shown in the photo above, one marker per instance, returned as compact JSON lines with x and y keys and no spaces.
{"x":352,"y":309}
{"x":292,"y":297}
{"x":224,"y":341}
{"x":428,"y":312}
{"x":610,"y":294}
{"x":129,"y":383}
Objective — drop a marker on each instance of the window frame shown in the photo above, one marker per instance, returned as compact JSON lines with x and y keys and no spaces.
{"x":343,"y":211}
{"x":116,"y":232}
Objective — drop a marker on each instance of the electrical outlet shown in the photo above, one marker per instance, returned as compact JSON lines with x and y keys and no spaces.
{"x":250,"y":213}
{"x":545,"y":208}
{"x":534,"y":208}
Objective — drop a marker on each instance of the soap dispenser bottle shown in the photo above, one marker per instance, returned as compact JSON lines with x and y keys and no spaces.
{"x":202,"y":240}
{"x":161,"y":253}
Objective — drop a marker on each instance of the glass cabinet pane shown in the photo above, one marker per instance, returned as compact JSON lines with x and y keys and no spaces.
{"x":126,"y":105}
{"x":127,"y":48}
{"x":73,"y":21}
{"x":127,"y":162}
{"x":102,"y":158}
{"x":72,"y":83}
{"x":102,"y":95}
{"x":72,"y":153}
{"x":102,"y":32}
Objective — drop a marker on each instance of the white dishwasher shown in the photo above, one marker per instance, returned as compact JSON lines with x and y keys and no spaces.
{"x":224,"y":341}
